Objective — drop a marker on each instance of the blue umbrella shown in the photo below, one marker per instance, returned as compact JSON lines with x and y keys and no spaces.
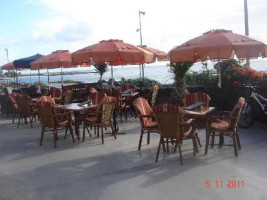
{"x":25,"y":62}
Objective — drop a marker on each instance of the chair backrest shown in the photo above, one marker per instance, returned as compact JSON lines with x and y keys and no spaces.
{"x":196,"y":97}
{"x":23,"y":102}
{"x":46,"y":99}
{"x":143,"y":108}
{"x":13,"y":97}
{"x":55,"y":92}
{"x":96,"y":97}
{"x":235,"y":113}
{"x":155,"y":90}
{"x":168,"y":118}
{"x":128,"y":86}
{"x":47,"y":113}
{"x":107,"y":106}
{"x":67,"y":96}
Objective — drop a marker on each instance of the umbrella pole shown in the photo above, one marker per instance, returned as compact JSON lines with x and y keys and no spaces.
{"x":48,"y":79}
{"x":62,"y":79}
{"x":39,"y":76}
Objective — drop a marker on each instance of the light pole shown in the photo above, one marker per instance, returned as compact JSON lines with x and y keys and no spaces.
{"x":140,"y":26}
{"x":141,"y":43}
{"x":6,"y":49}
{"x":7,"y":55}
{"x":246,"y":17}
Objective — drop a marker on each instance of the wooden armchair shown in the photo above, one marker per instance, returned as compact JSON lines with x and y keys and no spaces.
{"x":52,"y":121}
{"x":26,"y":109}
{"x":56,"y":94}
{"x":13,"y":97}
{"x":144,"y":113}
{"x":121,"y":106}
{"x":172,"y":127}
{"x":67,"y":97}
{"x":103,"y":117}
{"x":225,"y":123}
{"x":151,"y":97}
{"x":192,"y":98}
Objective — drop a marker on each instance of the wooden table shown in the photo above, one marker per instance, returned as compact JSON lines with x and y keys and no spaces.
{"x":202,"y":112}
{"x":76,"y":110}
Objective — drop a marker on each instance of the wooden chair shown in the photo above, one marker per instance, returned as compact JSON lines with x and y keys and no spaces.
{"x":52,"y":121}
{"x":151,"y":97}
{"x":199,"y":122}
{"x":102,"y":119}
{"x":56,"y":94}
{"x":13,"y":97}
{"x":128,"y":86}
{"x":172,"y":127}
{"x":26,"y":109}
{"x":67,"y":96}
{"x":196,"y":97}
{"x":225,"y":123}
{"x":144,"y":113}
{"x":121,"y":106}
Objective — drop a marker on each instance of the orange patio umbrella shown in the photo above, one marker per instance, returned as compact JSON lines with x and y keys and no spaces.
{"x":113,"y":52}
{"x":10,"y":66}
{"x":218,"y":45}
{"x":158,"y":54}
{"x":57,"y":59}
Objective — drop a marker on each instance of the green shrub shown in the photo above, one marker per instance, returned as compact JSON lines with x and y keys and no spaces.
{"x":137,"y":82}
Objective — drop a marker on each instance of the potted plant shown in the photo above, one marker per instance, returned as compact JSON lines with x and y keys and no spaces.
{"x":179,"y":70}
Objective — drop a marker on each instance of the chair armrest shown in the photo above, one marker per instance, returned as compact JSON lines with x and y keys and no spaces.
{"x":187,"y":122}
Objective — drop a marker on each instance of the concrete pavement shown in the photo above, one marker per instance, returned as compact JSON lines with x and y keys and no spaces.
{"x":117,"y":170}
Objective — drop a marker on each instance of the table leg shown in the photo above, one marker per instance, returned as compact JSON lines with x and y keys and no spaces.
{"x":207,"y":137}
{"x":77,"y":124}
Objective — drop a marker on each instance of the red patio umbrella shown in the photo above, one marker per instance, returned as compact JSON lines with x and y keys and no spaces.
{"x":57,"y":59}
{"x":114,"y":52}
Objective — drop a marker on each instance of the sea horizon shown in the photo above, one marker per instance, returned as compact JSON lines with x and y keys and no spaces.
{"x":158,"y":71}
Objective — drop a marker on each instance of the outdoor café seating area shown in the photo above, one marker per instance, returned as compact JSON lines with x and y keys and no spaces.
{"x":66,"y":138}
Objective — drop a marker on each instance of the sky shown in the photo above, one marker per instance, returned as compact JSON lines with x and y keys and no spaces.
{"x":28,"y":27}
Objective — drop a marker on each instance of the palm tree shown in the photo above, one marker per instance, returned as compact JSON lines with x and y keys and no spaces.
{"x":179,"y":70}
{"x":101,"y":69}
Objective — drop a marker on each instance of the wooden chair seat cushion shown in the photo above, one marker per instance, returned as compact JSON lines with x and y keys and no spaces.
{"x":152,"y":125}
{"x":220,"y":125}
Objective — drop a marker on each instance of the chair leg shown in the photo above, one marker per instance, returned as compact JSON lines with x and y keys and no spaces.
{"x":102,"y":134}
{"x":31,"y":120}
{"x":84,"y":131}
{"x":66,"y":131}
{"x":148,"y":137}
{"x":88,"y":132}
{"x":160,"y":142}
{"x":13,"y":120}
{"x":238,"y":140}
{"x":42,"y":136}
{"x":180,"y":152}
{"x":19,"y":122}
{"x":221,"y":142}
{"x":113,"y":130}
{"x":167,"y":142}
{"x":198,"y":140}
{"x":55,"y":137}
{"x":140,"y":139}
{"x":212,"y":139}
{"x":235,"y":145}
{"x":71,"y":132}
